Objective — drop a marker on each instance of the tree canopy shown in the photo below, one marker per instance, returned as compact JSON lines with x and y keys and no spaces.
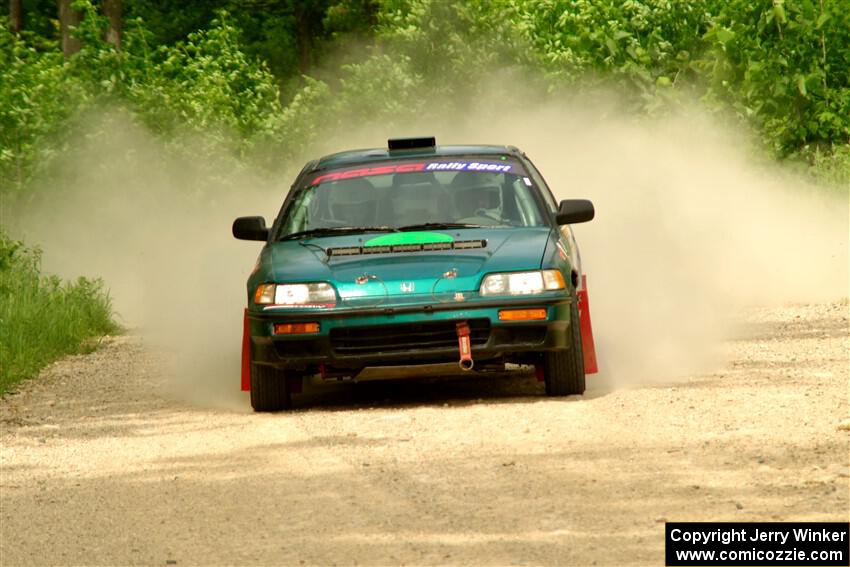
{"x":271,"y":74}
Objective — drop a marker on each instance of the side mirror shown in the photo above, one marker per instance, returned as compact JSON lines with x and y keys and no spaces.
{"x":250,"y":228}
{"x":571,"y":211}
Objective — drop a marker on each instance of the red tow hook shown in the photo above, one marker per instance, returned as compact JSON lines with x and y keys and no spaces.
{"x":464,"y":346}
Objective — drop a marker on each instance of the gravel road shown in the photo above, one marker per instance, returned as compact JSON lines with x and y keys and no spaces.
{"x":101,"y":467}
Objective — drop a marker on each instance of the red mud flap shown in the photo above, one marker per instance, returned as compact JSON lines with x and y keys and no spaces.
{"x":246,"y":354}
{"x":587,"y":345}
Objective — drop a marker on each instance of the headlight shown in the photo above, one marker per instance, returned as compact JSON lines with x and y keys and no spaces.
{"x":296,"y":295}
{"x":522,"y":283}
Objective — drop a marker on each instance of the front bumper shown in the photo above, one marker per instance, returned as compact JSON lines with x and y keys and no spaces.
{"x":354,"y":338}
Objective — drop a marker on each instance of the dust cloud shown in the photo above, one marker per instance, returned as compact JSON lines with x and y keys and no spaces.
{"x":156,"y":229}
{"x":688,"y":232}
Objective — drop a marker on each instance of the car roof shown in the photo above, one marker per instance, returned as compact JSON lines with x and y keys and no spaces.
{"x":353,"y":157}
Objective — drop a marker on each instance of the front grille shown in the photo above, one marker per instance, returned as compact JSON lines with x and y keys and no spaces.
{"x":295,"y":348}
{"x":417,"y":337}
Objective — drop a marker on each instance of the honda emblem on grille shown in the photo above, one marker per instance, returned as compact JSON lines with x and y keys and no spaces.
{"x":407,"y":287}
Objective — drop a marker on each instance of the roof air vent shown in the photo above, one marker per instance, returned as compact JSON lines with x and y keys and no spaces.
{"x":411,"y":143}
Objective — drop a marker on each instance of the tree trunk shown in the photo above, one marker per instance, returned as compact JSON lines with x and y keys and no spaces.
{"x":16,"y":16}
{"x":303,"y":42}
{"x":112,"y":10}
{"x":68,"y":18}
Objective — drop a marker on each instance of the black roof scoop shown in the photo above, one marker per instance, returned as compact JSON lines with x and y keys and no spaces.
{"x":411,"y":143}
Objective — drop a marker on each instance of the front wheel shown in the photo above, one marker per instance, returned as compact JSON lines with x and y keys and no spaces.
{"x":563,"y":370}
{"x":269,"y":389}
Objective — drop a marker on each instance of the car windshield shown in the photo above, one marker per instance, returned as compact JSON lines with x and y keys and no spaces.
{"x":411,"y":195}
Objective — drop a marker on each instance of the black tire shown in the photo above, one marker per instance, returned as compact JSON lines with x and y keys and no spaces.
{"x":563,"y":370}
{"x":269,"y":389}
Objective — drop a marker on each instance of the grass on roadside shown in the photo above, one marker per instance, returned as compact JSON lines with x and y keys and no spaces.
{"x":832,"y":168}
{"x":42,"y":317}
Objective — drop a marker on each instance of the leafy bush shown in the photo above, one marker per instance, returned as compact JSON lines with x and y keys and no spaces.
{"x":205,"y":85}
{"x":43,"y":318}
{"x":781,"y":66}
{"x":786,"y":67}
{"x":640,"y":46}
{"x":37,"y":96}
{"x":831,"y":168}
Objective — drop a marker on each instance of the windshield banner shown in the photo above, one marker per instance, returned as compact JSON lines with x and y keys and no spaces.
{"x":413,"y":167}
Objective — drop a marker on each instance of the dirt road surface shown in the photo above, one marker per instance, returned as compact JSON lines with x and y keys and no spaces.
{"x":100,"y":466}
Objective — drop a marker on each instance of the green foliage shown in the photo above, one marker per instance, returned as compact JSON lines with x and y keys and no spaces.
{"x":380,"y":86}
{"x":640,"y":46}
{"x":43,"y":318}
{"x":831,"y":168}
{"x":447,"y":41}
{"x":781,"y":66}
{"x":37,"y":96}
{"x":305,"y":117}
{"x":205,"y":83}
{"x":288,"y":35}
{"x":423,"y":51}
{"x":350,"y":17}
{"x":785,"y":66}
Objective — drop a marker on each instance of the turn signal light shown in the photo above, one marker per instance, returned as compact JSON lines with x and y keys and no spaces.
{"x":295,"y":328}
{"x":522,"y":315}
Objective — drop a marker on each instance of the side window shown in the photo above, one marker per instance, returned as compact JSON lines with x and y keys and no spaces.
{"x":541,"y":184}
{"x":527,"y":206}
{"x":299,"y":217}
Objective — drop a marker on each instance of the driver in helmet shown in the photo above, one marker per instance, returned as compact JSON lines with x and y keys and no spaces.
{"x":476,"y":200}
{"x":353,"y":202}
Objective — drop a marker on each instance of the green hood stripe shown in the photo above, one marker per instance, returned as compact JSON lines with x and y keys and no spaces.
{"x":401,"y":238}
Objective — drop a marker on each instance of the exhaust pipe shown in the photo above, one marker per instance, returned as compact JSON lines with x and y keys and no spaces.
{"x":464,"y":346}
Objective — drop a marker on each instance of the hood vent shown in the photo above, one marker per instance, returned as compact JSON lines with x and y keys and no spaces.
{"x":406,"y":248}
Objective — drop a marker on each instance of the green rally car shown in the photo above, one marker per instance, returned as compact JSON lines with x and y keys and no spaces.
{"x":410,"y":255}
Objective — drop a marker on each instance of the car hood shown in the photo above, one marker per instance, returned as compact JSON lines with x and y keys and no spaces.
{"x":363,"y":278}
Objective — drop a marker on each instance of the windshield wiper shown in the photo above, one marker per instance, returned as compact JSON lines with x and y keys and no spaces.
{"x":335,"y":230}
{"x":439,"y":225}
